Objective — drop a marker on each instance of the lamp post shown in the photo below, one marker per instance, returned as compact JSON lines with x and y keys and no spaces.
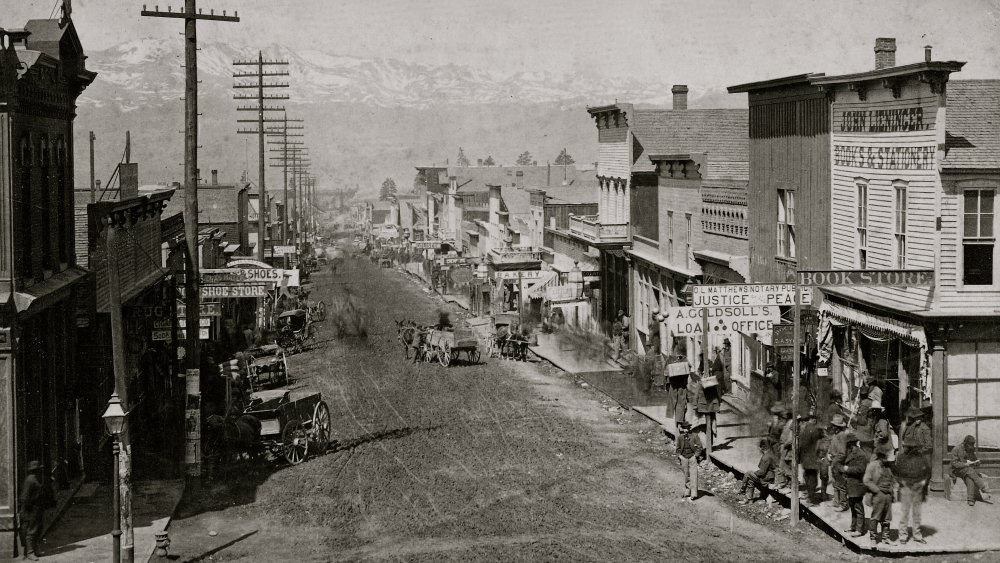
{"x":114,"y":419}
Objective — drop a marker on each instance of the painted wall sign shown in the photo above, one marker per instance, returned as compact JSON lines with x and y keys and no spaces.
{"x":205,"y":309}
{"x":687,"y":321}
{"x":879,"y":158}
{"x":234,"y":291}
{"x":524,"y":275}
{"x":899,"y":278}
{"x":884,"y":120}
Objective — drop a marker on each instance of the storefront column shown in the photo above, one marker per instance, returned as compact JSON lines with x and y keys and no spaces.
{"x":8,"y":461}
{"x":939,"y":398}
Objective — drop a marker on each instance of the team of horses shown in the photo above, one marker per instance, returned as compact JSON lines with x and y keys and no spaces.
{"x":412,"y":335}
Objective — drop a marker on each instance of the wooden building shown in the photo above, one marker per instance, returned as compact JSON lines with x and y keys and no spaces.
{"x":42,"y":72}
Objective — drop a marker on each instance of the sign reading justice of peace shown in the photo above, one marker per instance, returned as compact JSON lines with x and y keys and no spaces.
{"x":687,"y":321}
{"x":747,"y":294}
{"x":869,"y":278}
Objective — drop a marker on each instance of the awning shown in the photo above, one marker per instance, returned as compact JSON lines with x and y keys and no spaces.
{"x":738,"y":264}
{"x":874,"y":326}
{"x":662,"y":263}
{"x":616,"y":253}
{"x":232,"y":247}
{"x":44,"y":293}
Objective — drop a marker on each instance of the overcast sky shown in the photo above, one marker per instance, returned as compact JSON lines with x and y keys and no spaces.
{"x":710,"y":43}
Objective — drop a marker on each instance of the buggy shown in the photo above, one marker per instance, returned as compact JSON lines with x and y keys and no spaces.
{"x":293,"y":424}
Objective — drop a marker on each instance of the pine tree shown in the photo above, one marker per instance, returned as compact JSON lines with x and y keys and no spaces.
{"x":564,"y":159}
{"x":524,"y":159}
{"x":489,"y":161}
{"x":388,"y":190}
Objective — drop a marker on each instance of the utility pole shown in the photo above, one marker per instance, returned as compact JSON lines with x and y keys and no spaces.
{"x":93,"y":186}
{"x":259,"y":84}
{"x":289,"y":160}
{"x":192,"y":291}
{"x":282,"y":132}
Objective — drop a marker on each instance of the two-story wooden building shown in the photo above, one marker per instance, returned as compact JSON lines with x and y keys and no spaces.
{"x":42,"y":72}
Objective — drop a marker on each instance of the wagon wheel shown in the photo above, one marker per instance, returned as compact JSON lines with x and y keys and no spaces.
{"x":321,"y":426}
{"x":321,"y":311}
{"x":454,"y":354}
{"x":444,"y":354}
{"x":475,"y":355}
{"x":294,"y":441}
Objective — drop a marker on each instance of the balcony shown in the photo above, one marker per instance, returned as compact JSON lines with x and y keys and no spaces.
{"x":589,"y":228}
{"x":508,"y":256}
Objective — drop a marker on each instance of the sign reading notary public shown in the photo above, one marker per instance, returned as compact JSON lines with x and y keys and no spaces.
{"x":747,"y":294}
{"x":867,"y":278}
{"x":687,"y":321}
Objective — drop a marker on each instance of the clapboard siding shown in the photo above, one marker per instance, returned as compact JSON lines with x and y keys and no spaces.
{"x":789,"y":149}
{"x":882,"y":141}
{"x":952,"y":294}
{"x":613,"y":160}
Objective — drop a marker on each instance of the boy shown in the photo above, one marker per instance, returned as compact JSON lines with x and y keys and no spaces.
{"x":855,"y":463}
{"x":764,"y":474}
{"x":879,"y":482}
{"x":688,"y":447}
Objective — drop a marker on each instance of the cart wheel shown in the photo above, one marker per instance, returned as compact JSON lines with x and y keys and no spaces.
{"x":321,"y":311}
{"x":475,"y":356}
{"x":294,"y":442}
{"x":444,"y":355}
{"x":321,"y":427}
{"x":454,"y":354}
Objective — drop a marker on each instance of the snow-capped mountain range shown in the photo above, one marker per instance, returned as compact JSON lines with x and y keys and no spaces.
{"x":365,"y":118}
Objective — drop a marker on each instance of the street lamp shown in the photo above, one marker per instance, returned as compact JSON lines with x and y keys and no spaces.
{"x":114,"y":420}
{"x":576,"y":279}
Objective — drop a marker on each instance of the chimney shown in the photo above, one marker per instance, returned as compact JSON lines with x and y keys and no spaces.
{"x":680,"y":93}
{"x":215,"y":177}
{"x":927,"y":53}
{"x":479,"y":162}
{"x":885,"y":52}
{"x":519,"y":179}
{"x":67,"y":12}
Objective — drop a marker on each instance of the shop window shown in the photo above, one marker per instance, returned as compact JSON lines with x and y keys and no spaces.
{"x":670,"y":235}
{"x":786,"y":223}
{"x":978,"y":239}
{"x":900,"y":224}
{"x":862,"y":216}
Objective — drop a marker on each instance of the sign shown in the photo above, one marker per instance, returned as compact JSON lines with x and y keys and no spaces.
{"x":786,"y":353}
{"x":247,"y":262}
{"x":524,"y":275}
{"x":225,"y":276}
{"x":687,"y":321}
{"x":885,"y":157}
{"x":279,"y":249}
{"x":204,"y":310}
{"x":151,"y":311}
{"x":867,"y":278}
{"x":783,"y":335}
{"x":461,"y":276}
{"x":562,"y":292}
{"x":426,"y":244}
{"x":743,"y":294}
{"x":192,"y":422}
{"x":202,"y":334}
{"x":166,"y":324}
{"x":452,"y":260}
{"x":233,"y":291}
{"x":884,"y":120}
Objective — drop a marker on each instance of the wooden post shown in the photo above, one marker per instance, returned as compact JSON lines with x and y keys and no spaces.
{"x":124,"y":457}
{"x":939,"y":404}
{"x":796,"y":367}
{"x":93,"y":186}
{"x":709,"y":417}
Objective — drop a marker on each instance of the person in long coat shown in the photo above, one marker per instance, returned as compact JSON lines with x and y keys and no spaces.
{"x":31,"y":510}
{"x":853,"y":469}
{"x":809,"y":437}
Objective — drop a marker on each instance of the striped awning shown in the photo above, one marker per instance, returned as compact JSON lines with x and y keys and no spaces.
{"x":878,"y":323}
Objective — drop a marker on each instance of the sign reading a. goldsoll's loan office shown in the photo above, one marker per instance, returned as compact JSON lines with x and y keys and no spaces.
{"x":867,"y":278}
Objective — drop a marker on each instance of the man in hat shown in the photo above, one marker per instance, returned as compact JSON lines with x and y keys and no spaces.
{"x":965,"y":466}
{"x":837,"y":456}
{"x":879,"y":482}
{"x":882,"y":431}
{"x":653,"y":340}
{"x":809,"y":435}
{"x":764,"y":474}
{"x":726,"y":356}
{"x":688,"y":447}
{"x":785,"y":452}
{"x":31,"y":510}
{"x":913,"y":472}
{"x":854,"y":467}
{"x":774,"y":428}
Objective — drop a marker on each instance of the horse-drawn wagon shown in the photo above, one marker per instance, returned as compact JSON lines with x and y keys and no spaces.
{"x":267,"y":366}
{"x":447,"y":345}
{"x":293,"y":424}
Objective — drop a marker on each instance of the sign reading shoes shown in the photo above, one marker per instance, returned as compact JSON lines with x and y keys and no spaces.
{"x":687,"y":321}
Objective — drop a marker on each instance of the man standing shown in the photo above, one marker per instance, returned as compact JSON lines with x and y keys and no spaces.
{"x":854,"y":470}
{"x":809,"y":437}
{"x":727,"y":366}
{"x":837,"y":455}
{"x":912,"y":473}
{"x":688,"y":447}
{"x":626,"y":328}
{"x":653,"y":340}
{"x":31,"y":510}
{"x":879,"y":481}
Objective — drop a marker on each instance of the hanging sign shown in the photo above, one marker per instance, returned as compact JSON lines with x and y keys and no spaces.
{"x":210,"y":309}
{"x":867,"y":278}
{"x":743,"y":294}
{"x":687,"y":321}
{"x":233,"y":291}
{"x":524,"y":275}
{"x":290,"y":249}
{"x":426,"y":244}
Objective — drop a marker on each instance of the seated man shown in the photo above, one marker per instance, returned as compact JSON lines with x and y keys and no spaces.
{"x":763,"y":476}
{"x":964,"y":466}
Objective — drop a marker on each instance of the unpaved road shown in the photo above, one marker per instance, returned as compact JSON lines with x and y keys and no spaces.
{"x":500,"y":461}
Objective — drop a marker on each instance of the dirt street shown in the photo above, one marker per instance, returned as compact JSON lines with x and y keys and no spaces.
{"x":500,"y":461}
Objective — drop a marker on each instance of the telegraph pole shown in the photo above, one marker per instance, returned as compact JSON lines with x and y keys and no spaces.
{"x":283,"y":133}
{"x":191,"y":14}
{"x":259,"y":84}
{"x":93,"y":186}
{"x":290,"y":151}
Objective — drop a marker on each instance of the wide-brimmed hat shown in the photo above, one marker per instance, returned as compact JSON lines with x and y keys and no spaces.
{"x":914,"y":411}
{"x":684,"y":425}
{"x":777,"y":409}
{"x":34,"y":466}
{"x":838,"y":421}
{"x":876,"y":405}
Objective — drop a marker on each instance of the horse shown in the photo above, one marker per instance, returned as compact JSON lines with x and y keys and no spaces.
{"x":233,"y":439}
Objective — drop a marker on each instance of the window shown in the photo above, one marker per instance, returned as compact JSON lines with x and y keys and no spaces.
{"x":862,"y":225}
{"x":688,"y":254}
{"x":670,"y":235}
{"x":900,"y":226}
{"x":786,"y":223}
{"x":977,"y":237}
